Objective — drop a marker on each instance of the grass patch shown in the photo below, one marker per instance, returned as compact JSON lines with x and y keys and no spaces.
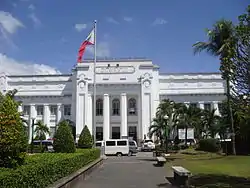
{"x":214,"y":170}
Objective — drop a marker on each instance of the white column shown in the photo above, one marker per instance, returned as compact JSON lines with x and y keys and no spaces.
{"x":146,"y":119}
{"x":80,"y":114}
{"x":201,"y":105}
{"x":89,"y":117}
{"x":106,"y":117}
{"x":31,"y":116}
{"x":59,"y":113}
{"x":20,"y":108}
{"x":216,"y":107}
{"x":46,"y":114}
{"x":123,"y":107}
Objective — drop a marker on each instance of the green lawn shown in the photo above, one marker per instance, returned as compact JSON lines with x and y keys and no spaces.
{"x":212,"y":170}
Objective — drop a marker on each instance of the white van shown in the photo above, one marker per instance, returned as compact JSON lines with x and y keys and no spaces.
{"x":119,"y":147}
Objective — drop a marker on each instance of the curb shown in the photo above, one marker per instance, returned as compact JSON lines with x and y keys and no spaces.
{"x":79,"y":175}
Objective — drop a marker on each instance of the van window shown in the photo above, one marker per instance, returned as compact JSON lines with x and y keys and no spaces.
{"x":122,"y":143}
{"x":98,"y":144}
{"x":131,"y":143}
{"x":110,"y":143}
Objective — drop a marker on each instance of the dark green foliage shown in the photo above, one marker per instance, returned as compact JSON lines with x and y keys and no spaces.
{"x":85,"y":139}
{"x":209,"y":145}
{"x":64,"y":141}
{"x":13,"y":140}
{"x":43,"y":169}
{"x":42,"y":136}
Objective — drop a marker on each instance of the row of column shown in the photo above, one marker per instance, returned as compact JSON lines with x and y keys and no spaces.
{"x":201,"y":106}
{"x":106,"y":116}
{"x":46,"y":115}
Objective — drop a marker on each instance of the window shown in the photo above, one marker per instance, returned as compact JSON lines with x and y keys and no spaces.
{"x":99,"y":144}
{"x":53,"y":110}
{"x":122,"y":143}
{"x":26,"y":110}
{"x":131,"y":143}
{"x":116,"y":107}
{"x":67,"y":110}
{"x":207,"y":106}
{"x":99,"y":107}
{"x":132,"y":106}
{"x":39,"y":110}
{"x":194,"y":105}
{"x":110,"y":143}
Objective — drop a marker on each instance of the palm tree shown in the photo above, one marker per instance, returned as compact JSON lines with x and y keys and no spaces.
{"x":190,"y":117}
{"x":221,"y":43}
{"x":41,"y":130}
{"x":164,"y":121}
{"x":211,"y":122}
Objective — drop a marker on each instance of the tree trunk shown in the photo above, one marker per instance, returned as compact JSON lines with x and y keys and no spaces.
{"x":231,"y":115}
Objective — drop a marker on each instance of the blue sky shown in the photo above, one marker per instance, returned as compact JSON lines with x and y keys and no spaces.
{"x":49,"y":32}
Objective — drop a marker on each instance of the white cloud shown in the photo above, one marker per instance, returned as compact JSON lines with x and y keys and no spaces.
{"x":128,"y":19}
{"x":11,"y":66}
{"x":35,"y":19}
{"x":80,"y":27}
{"x":112,"y":20}
{"x":9,"y":23}
{"x":103,"y":49}
{"x":31,"y":7}
{"x":159,"y":21}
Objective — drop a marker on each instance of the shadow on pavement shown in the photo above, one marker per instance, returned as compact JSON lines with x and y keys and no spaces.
{"x":171,"y":183}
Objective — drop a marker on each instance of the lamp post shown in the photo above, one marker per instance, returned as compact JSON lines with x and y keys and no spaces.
{"x":165,"y":132}
{"x":32,"y":133}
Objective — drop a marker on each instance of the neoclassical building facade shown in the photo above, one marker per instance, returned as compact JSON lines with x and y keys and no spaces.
{"x":128,"y":94}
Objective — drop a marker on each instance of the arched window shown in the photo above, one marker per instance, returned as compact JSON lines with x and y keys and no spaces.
{"x":116,"y":107}
{"x":132,"y":106}
{"x":99,"y":107}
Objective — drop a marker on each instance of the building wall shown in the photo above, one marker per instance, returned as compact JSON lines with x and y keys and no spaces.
{"x":70,"y":96}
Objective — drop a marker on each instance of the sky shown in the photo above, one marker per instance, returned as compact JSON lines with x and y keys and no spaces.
{"x":43,"y":36}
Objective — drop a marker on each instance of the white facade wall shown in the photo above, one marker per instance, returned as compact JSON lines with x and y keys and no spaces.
{"x":70,"y":96}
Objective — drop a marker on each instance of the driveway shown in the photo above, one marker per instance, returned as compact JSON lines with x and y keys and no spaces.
{"x":127,"y":172}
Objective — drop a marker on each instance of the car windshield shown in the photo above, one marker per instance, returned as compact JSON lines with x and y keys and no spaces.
{"x":148,"y":141}
{"x":131,"y":143}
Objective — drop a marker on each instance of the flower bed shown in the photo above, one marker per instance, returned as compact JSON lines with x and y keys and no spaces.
{"x":41,"y":170}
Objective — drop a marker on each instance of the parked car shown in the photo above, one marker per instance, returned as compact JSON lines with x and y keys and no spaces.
{"x":147,"y":145}
{"x":48,"y":144}
{"x":119,"y":147}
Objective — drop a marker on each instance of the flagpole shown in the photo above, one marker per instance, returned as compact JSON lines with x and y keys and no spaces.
{"x":94,"y":84}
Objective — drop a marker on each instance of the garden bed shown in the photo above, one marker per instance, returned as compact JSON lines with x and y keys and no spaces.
{"x":41,"y":170}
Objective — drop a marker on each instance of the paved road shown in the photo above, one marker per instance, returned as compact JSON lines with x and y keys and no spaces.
{"x":128,"y":172}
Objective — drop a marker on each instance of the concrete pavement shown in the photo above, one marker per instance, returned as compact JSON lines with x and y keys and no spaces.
{"x":128,"y":172}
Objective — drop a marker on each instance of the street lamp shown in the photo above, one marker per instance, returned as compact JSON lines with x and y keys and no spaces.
{"x":32,"y":132}
{"x":165,"y":132}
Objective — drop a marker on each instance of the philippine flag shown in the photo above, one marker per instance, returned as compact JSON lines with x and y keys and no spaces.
{"x":90,"y":40}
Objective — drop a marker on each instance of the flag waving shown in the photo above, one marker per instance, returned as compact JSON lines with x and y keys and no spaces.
{"x":90,"y":40}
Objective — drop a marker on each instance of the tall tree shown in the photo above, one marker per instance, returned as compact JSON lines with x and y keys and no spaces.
{"x":222,"y":43}
{"x":41,"y":130}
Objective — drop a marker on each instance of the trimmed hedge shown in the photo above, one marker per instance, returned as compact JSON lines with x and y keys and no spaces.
{"x":85,"y":139}
{"x":209,"y":145}
{"x":44,"y":169}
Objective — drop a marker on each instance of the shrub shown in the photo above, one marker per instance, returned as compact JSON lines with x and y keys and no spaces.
{"x":63,"y":140}
{"x":209,"y":145}
{"x":13,"y":140}
{"x":85,"y":139}
{"x":44,"y":169}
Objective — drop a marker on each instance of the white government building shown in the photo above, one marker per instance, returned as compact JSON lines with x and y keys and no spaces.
{"x":128,"y":94}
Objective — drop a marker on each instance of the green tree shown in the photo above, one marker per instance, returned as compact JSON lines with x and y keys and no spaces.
{"x":222,"y":43}
{"x":63,"y":139}
{"x":13,"y":140}
{"x":190,"y":118}
{"x":85,"y":139}
{"x":40,"y":131}
{"x":164,"y":121}
{"x":211,"y":122}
